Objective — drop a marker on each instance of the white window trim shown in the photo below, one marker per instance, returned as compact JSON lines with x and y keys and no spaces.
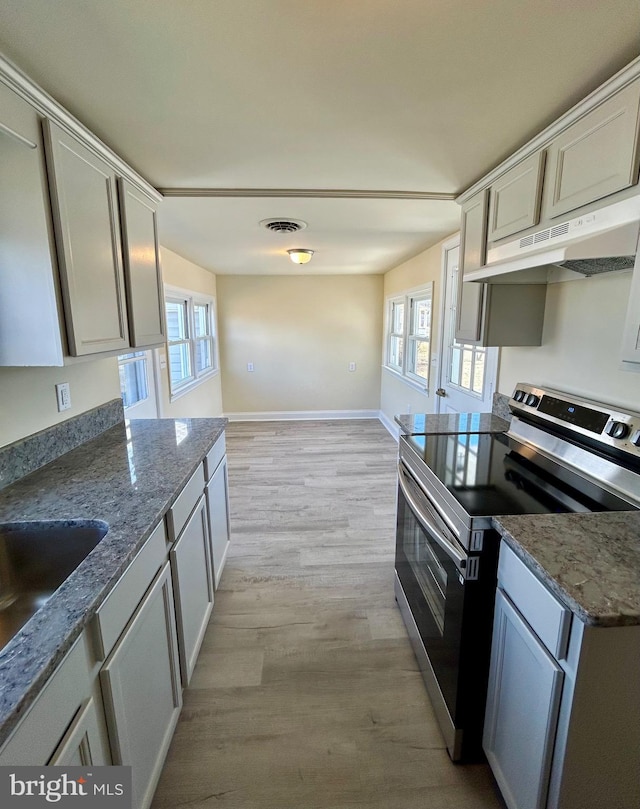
{"x":404,"y":373}
{"x":192,"y":298}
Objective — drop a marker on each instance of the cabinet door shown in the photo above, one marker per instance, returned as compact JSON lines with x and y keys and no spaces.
{"x":82,"y":743}
{"x":595,"y":157}
{"x":141,"y":688}
{"x":143,"y":278}
{"x":523,"y":700}
{"x":29,"y":326}
{"x":515,"y":198}
{"x":473,"y":245}
{"x":218,"y":507}
{"x":83,"y":195}
{"x":193,"y":587}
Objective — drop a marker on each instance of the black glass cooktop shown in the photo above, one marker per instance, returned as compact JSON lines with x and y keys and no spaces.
{"x":492,"y":474}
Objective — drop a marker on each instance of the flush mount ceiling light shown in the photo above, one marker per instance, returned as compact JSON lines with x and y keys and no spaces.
{"x":299,"y":256}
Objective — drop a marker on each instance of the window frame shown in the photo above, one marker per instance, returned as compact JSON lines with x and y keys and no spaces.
{"x":190,"y":300}
{"x":393,"y":333}
{"x":409,"y":336}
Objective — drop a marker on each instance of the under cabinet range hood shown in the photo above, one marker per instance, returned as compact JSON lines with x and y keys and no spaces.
{"x":603,"y":240}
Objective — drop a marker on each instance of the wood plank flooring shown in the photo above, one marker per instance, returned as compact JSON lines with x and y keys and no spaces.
{"x":307,"y":694}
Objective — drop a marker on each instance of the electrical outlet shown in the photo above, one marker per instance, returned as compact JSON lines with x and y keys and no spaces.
{"x":352,"y":366}
{"x":63,"y":395}
{"x":250,"y":367}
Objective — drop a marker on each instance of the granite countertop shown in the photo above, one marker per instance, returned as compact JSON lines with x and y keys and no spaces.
{"x":446,"y":423}
{"x":128,"y":476}
{"x":591,"y":562}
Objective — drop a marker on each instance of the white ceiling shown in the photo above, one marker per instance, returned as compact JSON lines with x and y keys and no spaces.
{"x":373,"y":95}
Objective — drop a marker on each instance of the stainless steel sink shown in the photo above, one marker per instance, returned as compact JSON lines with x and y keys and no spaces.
{"x":35,"y":559}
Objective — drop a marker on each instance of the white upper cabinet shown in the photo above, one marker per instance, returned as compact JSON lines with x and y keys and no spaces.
{"x":487,"y":316}
{"x":85,"y":213}
{"x":596,"y":156}
{"x":473,"y":242}
{"x":515,"y":198}
{"x":143,"y":278}
{"x":79,"y":259}
{"x":29,"y":321}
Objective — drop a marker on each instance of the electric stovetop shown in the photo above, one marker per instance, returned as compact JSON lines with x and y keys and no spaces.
{"x":492,"y":474}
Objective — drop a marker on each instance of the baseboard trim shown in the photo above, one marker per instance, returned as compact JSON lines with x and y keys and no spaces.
{"x":391,"y":426}
{"x":303,"y":415}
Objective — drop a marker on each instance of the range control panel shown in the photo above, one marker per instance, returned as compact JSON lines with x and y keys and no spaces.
{"x":609,"y":426}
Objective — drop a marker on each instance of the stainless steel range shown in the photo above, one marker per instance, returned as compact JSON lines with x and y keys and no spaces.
{"x":561,"y":454}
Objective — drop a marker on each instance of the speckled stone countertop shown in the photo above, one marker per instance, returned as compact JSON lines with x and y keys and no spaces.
{"x":590,"y":561}
{"x":128,"y":477}
{"x":445,"y":423}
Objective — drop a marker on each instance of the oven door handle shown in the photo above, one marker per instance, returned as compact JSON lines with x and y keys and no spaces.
{"x":447,"y":546}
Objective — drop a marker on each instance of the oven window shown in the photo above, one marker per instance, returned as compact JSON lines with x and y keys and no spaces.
{"x":429,"y":572}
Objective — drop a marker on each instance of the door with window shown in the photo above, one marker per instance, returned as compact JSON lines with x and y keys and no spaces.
{"x":137,"y":385}
{"x":467,"y":372}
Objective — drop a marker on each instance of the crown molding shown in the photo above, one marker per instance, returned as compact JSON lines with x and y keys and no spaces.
{"x":617,"y":82}
{"x":314,"y":193}
{"x":47,"y":106}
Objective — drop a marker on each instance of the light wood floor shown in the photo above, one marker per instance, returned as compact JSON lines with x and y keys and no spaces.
{"x":306,"y":694}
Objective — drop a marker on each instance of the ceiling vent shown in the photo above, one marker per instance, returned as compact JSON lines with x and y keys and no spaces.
{"x":283,"y":225}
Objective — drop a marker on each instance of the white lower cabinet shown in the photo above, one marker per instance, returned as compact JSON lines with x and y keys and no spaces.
{"x":562,"y":725}
{"x":218,"y":509}
{"x":217,"y":489}
{"x":141,"y":689}
{"x":193,"y":587}
{"x":117,"y":694}
{"x":66,"y":723}
{"x":522,"y":709}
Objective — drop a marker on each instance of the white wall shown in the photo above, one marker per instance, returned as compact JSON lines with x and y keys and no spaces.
{"x":396,"y":396}
{"x":204,"y":401}
{"x":581,"y":343}
{"x":300,"y":332}
{"x":28,"y":395}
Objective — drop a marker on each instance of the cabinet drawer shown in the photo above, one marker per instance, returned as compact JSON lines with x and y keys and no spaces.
{"x":179,"y":512}
{"x":214,"y":456}
{"x":114,"y":614}
{"x":548,"y":618}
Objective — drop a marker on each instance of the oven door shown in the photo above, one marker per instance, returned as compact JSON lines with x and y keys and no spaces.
{"x":446,"y":600}
{"x":431,"y":566}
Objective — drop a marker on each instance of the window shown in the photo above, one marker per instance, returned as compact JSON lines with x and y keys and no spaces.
{"x":191,"y":346}
{"x":134,"y":385}
{"x":409,"y":335}
{"x":396,"y":335}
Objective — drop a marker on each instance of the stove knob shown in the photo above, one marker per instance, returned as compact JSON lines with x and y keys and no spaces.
{"x":636,"y":439}
{"x":532,"y":400}
{"x":519,"y":395}
{"x":618,"y":429}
